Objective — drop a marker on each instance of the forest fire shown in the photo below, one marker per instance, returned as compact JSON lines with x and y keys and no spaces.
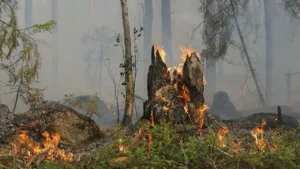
{"x":25,"y":146}
{"x":258,"y":134}
{"x":221,"y":133}
{"x":201,"y":111}
{"x":161,"y":51}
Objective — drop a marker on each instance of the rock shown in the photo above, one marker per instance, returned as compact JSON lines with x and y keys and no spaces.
{"x":223,"y":107}
{"x":7,"y":127}
{"x":74,"y":128}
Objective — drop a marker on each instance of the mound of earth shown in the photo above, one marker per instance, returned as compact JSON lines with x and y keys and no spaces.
{"x":74,"y":128}
{"x":223,"y":107}
{"x":286,"y":110}
{"x":249,"y":122}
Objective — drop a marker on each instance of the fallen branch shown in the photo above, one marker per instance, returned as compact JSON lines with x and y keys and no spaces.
{"x":37,"y":155}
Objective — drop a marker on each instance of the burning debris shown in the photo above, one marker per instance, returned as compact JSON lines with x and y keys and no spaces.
{"x":28,"y":145}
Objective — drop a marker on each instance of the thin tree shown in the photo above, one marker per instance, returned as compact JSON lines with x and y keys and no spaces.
{"x":219,"y":26}
{"x":217,"y":32}
{"x":129,"y":98}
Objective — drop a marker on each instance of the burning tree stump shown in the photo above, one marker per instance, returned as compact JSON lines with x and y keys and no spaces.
{"x":158,"y":75}
{"x":193,"y":79}
{"x":178,"y":100}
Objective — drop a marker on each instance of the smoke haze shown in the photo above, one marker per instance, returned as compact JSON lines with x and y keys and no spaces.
{"x":74,"y":21}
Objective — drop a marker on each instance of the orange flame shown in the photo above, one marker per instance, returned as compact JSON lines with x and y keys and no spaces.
{"x":149,"y":136}
{"x":108,"y":106}
{"x":187,"y":52}
{"x":185,"y":94}
{"x":258,"y":134}
{"x":236,"y":145}
{"x":201,"y":111}
{"x":25,"y":146}
{"x":161,"y":51}
{"x":221,"y":133}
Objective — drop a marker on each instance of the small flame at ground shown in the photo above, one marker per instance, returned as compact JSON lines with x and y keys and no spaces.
{"x":221,"y":133}
{"x":201,"y":111}
{"x":258,"y":134}
{"x":28,"y":148}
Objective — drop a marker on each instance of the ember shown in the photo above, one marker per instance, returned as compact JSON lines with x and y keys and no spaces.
{"x":26,"y":147}
{"x":258,"y":134}
{"x":201,"y":111}
{"x":221,"y":133}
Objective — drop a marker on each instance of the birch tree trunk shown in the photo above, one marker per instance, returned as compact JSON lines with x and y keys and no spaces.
{"x":129,"y":100}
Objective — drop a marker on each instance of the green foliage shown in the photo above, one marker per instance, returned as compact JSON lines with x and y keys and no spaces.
{"x":173,"y":147}
{"x":91,"y":107}
{"x":71,"y":101}
{"x":217,"y":28}
{"x":19,"y":54}
{"x":218,"y":23}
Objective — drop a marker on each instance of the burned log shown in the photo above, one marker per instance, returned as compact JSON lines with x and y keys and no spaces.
{"x":179,"y":101}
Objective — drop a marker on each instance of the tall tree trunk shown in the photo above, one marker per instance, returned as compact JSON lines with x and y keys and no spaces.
{"x":129,"y":100}
{"x":211,"y":78}
{"x":28,"y":13}
{"x":245,"y":50}
{"x":166,"y":28}
{"x":269,"y":7}
{"x":54,"y":45}
{"x":147,"y":22}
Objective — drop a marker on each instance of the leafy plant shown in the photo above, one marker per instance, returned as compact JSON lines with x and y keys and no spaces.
{"x":19,"y":54}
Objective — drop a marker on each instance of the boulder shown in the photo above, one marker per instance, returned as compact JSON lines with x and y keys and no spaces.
{"x":223,"y":107}
{"x":73,"y":127}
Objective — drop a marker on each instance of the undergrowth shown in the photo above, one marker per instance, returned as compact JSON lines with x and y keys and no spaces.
{"x":172,"y":147}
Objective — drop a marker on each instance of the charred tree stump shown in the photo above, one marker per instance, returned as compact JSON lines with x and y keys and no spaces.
{"x":179,"y":101}
{"x":193,"y":79}
{"x":158,"y":76}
